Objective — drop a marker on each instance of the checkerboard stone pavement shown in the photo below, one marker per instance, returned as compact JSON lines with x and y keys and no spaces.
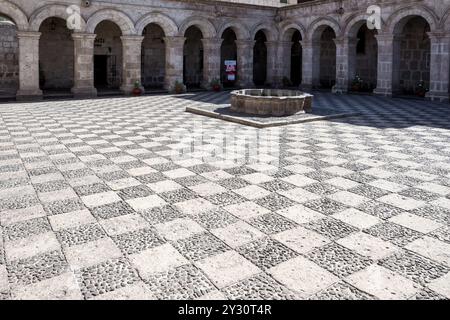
{"x":124,"y":198}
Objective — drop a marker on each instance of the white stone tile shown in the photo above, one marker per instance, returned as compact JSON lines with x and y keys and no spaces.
{"x":100,"y":199}
{"x":179,"y":173}
{"x":441,"y":285}
{"x":257,"y":178}
{"x":145,"y":203}
{"x":164,"y":186}
{"x":208,"y":189}
{"x":71,"y":219}
{"x":246,"y":210}
{"x":31,"y":246}
{"x":415,"y":222}
{"x":299,"y":195}
{"x":237,"y":234}
{"x":383,"y":283}
{"x":299,"y":180}
{"x":431,"y":248}
{"x":91,"y":253}
{"x":252,"y":192}
{"x":300,"y":214}
{"x":368,"y":246}
{"x":301,"y":240}
{"x":348,"y":198}
{"x":227,"y":268}
{"x":178,"y":229}
{"x":302,"y":276}
{"x":401,"y":202}
{"x":62,"y":287}
{"x":156,"y":260}
{"x":135,"y":291}
{"x":357,"y":218}
{"x":195,"y":206}
{"x":123,"y":224}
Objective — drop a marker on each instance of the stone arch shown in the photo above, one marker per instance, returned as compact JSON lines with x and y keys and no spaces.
{"x":287,"y":29}
{"x":124,"y":22}
{"x":167,"y":24}
{"x":270,"y":30}
{"x":353,"y":24}
{"x":239,"y":29}
{"x":49,"y":11}
{"x":13,"y":12}
{"x":398,"y":19}
{"x":206,"y":27}
{"x":318,"y":25}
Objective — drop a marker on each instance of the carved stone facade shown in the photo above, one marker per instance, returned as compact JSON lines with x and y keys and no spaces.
{"x":319,"y":44}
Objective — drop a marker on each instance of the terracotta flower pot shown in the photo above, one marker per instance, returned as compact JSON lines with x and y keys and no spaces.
{"x":136,"y":92}
{"x":216,"y":88}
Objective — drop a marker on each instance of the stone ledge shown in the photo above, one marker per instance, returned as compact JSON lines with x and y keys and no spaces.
{"x":264,"y":122}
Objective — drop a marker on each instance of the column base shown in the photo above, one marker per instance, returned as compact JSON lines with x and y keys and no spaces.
{"x":82,"y":93}
{"x":339,"y":90}
{"x":29,"y":95}
{"x":383,"y":92}
{"x":438,"y":96}
{"x":306,"y":87}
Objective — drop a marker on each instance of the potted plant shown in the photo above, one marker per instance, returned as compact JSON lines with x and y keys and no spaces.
{"x":421,"y":90}
{"x":357,"y":84}
{"x":137,"y":91}
{"x":216,"y":85}
{"x":178,"y":87}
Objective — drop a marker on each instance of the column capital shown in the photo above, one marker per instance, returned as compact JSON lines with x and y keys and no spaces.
{"x":86,"y":36}
{"x":388,"y":37}
{"x":243,"y":43}
{"x":132,"y":38}
{"x":174,"y":40}
{"x":439,"y":35}
{"x":212,"y":41}
{"x":308,"y":43}
{"x":29,"y":34}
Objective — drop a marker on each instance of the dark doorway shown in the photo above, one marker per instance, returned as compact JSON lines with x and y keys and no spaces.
{"x":228,"y":52}
{"x":296,"y":59}
{"x":260,"y":59}
{"x":101,"y":71}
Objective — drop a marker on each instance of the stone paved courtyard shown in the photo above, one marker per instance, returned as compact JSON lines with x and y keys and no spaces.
{"x":133,"y":198}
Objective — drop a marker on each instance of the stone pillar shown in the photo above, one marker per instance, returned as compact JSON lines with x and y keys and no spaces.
{"x":131,"y":62}
{"x":345,"y":63}
{"x":310,"y":64}
{"x":28,"y":66}
{"x":284,"y":59}
{"x":174,"y":60}
{"x":388,"y":64}
{"x":439,"y":66}
{"x":245,"y":63}
{"x":84,"y":65}
{"x":274,"y":63}
{"x":211,"y":61}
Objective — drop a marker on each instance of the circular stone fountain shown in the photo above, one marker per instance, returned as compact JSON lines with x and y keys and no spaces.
{"x":270,"y":102}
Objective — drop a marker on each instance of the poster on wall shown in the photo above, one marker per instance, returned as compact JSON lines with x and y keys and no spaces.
{"x":230,"y":69}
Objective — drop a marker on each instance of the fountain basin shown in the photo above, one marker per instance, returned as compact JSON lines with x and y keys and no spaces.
{"x":271,"y":102}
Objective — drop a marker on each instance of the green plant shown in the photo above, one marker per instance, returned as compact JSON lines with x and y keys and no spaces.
{"x":357,"y":83}
{"x":137,"y":85}
{"x":421,"y":89}
{"x":178,"y":87}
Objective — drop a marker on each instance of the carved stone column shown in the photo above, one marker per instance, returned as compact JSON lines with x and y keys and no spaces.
{"x":29,"y":66}
{"x":211,"y":60}
{"x":174,"y":61}
{"x":345,"y":62}
{"x":388,"y":64}
{"x":84,"y":65}
{"x":439,"y":66}
{"x":131,"y":62}
{"x":245,"y":63}
{"x":310,"y":64}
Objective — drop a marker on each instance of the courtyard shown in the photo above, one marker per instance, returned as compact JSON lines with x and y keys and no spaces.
{"x":134,"y":198}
